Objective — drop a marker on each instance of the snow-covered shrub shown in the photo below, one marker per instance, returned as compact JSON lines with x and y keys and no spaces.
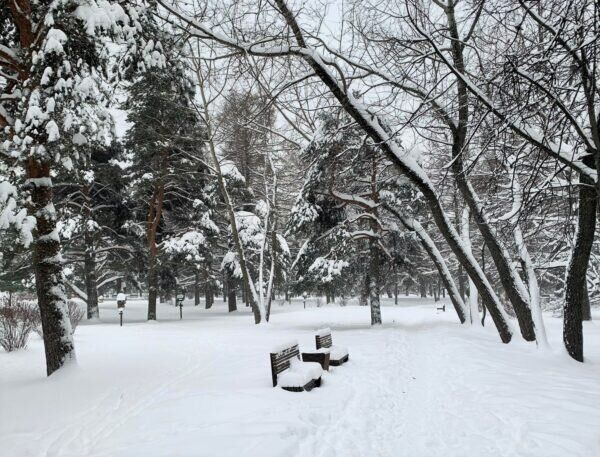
{"x":16,"y":323}
{"x":76,"y":314}
{"x":342,"y":301}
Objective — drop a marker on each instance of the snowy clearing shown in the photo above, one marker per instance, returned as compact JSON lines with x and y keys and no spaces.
{"x":420,"y":385}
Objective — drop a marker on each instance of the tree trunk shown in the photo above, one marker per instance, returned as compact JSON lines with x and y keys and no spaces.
{"x":511,"y":282}
{"x":231,"y":292}
{"x":257,"y":310}
{"x":152,"y":287}
{"x":396,"y":293}
{"x":89,"y":263}
{"x":374,"y":283}
{"x":91,"y":282}
{"x":373,"y":127}
{"x":208,"y":296}
{"x":197,"y":288}
{"x":47,"y":265}
{"x":364,"y":292}
{"x":586,"y":310}
{"x":422,"y":287}
{"x":577,"y":268}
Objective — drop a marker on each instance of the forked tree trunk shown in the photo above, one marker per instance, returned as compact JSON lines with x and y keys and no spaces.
{"x":47,"y":265}
{"x":577,"y":269}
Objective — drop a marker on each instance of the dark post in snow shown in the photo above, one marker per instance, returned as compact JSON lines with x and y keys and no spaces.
{"x":304,"y":298}
{"x":121,"y":299}
{"x":179,"y":301}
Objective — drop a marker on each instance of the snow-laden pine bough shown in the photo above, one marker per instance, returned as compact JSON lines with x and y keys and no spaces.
{"x":290,"y":373}
{"x":53,"y":63}
{"x":338,"y":355}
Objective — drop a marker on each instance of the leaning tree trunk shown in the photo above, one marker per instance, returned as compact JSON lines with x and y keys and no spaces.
{"x":371,"y":124}
{"x":577,"y":268}
{"x":511,"y":282}
{"x":47,"y":265}
{"x":257,"y":309}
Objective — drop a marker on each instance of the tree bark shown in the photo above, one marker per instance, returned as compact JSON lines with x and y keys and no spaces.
{"x":231,"y":292}
{"x":586,"y":310}
{"x":373,"y":127}
{"x":197,"y":288}
{"x":152,"y":287}
{"x":577,"y":269}
{"x":91,"y":281}
{"x":47,"y":264}
{"x":508,"y":276}
{"x":208,"y":296}
{"x":375,"y":282}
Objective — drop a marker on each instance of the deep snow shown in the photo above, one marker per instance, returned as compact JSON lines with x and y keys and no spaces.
{"x":421,"y":385}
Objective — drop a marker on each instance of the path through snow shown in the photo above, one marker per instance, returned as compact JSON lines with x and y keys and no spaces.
{"x":420,"y":385}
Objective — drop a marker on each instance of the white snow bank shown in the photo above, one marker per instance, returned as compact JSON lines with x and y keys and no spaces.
{"x":421,"y":384}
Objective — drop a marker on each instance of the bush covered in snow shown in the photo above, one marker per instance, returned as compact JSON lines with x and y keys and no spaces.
{"x":16,"y":323}
{"x":76,"y":314}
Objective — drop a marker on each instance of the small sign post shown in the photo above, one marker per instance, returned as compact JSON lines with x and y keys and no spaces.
{"x":121,"y":299}
{"x":179,"y":302}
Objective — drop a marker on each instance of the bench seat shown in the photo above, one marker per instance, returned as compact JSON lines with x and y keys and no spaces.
{"x":337,"y":354}
{"x":290,"y":373}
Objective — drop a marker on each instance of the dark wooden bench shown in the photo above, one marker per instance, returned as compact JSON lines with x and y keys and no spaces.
{"x":320,"y":356}
{"x":281,"y":361}
{"x":337,"y":355}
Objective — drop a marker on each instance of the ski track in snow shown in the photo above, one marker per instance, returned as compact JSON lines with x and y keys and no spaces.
{"x":418,"y":386}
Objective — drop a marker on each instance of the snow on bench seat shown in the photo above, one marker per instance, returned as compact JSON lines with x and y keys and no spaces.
{"x":299,"y":374}
{"x":290,"y":373}
{"x":338,"y":354}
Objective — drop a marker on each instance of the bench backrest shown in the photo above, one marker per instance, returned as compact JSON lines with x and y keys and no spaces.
{"x":323,"y":340}
{"x":280,"y":360}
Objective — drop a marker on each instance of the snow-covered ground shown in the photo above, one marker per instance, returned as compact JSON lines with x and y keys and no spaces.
{"x":420,"y":386}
